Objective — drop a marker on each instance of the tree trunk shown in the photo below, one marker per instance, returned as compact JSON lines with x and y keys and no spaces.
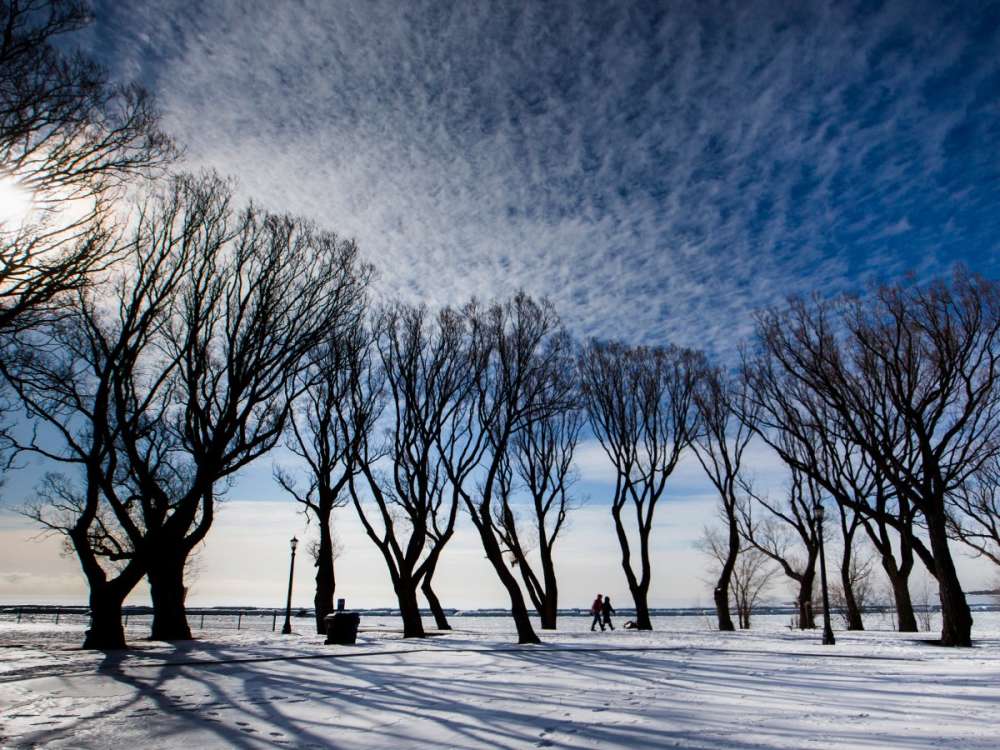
{"x":325,"y":580}
{"x":166,"y":588}
{"x":547,"y":614}
{"x":853,"y":613}
{"x":550,"y":597}
{"x":721,"y":593}
{"x":522,"y":621}
{"x":905,"y":618}
{"x":956,"y":626}
{"x":409,"y":609}
{"x":898,"y":574}
{"x":639,"y":590}
{"x":440,"y":620}
{"x":518,"y":607}
{"x":106,"y":631}
{"x":743,"y":611}
{"x":806,"y":618}
{"x":639,"y":597}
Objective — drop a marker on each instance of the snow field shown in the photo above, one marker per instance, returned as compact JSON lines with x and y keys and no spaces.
{"x":682,"y":685}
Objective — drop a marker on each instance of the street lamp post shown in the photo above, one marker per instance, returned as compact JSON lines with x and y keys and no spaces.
{"x":286,"y":629}
{"x":828,"y":639}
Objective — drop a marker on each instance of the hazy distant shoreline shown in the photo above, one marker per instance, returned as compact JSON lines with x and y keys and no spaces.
{"x":979,"y":601}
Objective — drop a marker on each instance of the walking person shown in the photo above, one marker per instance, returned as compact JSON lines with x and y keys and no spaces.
{"x":596,"y":609}
{"x":606,"y":611}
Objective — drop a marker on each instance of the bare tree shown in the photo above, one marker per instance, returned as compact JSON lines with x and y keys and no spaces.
{"x":253,"y":314}
{"x":852,"y":570}
{"x":641,"y":405}
{"x":517,"y":348}
{"x":325,"y":427}
{"x":975,"y":519}
{"x":425,"y":367}
{"x":427,"y":588}
{"x":864,"y":496}
{"x":806,"y":434}
{"x":65,"y":373}
{"x":540,"y":461}
{"x":68,"y":140}
{"x":898,"y":565}
{"x":752,"y":574}
{"x":855,"y":590}
{"x":924,"y":596}
{"x":752,"y":578}
{"x":196,"y":347}
{"x":925,"y":358}
{"x":727,"y":423}
{"x":788,"y":535}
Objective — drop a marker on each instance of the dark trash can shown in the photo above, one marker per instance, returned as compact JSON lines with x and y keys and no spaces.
{"x":342,"y":628}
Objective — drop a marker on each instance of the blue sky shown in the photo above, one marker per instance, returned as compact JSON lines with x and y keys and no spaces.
{"x":660,"y":170}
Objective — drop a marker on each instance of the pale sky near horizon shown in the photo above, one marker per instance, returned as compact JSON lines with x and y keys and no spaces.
{"x":244,"y":560}
{"x":659,"y":171}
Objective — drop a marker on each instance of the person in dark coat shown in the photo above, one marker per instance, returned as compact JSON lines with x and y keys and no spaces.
{"x":606,"y":611}
{"x":595,"y":610}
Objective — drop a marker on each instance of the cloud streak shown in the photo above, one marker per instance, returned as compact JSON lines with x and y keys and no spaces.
{"x":658,"y":174}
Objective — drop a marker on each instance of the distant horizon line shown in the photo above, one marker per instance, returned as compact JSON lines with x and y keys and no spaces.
{"x":698,"y":609}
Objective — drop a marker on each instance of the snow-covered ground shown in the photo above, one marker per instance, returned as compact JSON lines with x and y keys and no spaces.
{"x":682,"y":685}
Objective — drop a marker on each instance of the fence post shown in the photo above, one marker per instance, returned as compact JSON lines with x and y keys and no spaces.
{"x":239,"y":620}
{"x":202,"y":626}
{"x":126,"y":619}
{"x":274,"y":620}
{"x":19,"y":614}
{"x":57,"y":617}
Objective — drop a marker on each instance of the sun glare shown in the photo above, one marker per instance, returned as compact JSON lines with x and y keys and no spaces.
{"x":15,"y":204}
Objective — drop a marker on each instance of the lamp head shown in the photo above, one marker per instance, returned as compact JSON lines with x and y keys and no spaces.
{"x":820,"y":512}
{"x":295,"y":543}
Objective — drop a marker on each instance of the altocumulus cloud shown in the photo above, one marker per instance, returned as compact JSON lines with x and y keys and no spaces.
{"x":658,"y":169}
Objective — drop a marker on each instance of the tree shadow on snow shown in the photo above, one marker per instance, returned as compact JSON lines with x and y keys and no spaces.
{"x":469,"y":694}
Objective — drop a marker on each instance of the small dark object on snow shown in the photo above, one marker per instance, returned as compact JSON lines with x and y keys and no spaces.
{"x":342,"y":628}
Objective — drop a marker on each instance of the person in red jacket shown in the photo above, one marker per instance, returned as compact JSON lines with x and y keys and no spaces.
{"x":595,"y":610}
{"x":606,"y":611}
